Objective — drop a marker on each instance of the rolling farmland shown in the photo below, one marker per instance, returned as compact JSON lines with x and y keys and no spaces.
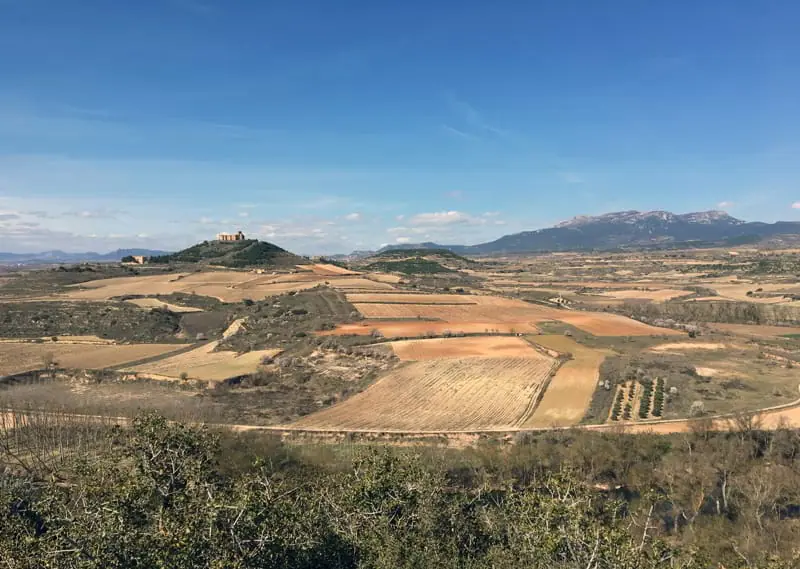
{"x":206,"y":364}
{"x":477,"y":346}
{"x":18,"y":357}
{"x":442,"y":395}
{"x":570,"y":391}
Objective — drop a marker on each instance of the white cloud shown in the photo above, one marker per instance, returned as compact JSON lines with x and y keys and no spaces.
{"x":400,"y":217}
{"x":796,"y":205}
{"x":244,"y":214}
{"x":101,"y":213}
{"x":355,"y":216}
{"x":454,"y":194}
{"x":403,"y":240}
{"x":440,"y":218}
{"x":724,"y":205}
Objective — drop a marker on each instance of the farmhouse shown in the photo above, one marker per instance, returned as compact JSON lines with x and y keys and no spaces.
{"x":238,"y":236}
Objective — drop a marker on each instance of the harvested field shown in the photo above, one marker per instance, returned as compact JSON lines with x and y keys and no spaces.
{"x":569,"y":394}
{"x":654,"y":295}
{"x":204,"y":363}
{"x":476,"y":346}
{"x":757,"y":331}
{"x":327,"y":269}
{"x":503,"y":310}
{"x":416,"y":328}
{"x":156,"y":303}
{"x":25,"y":356}
{"x":442,"y":395}
{"x":606,"y":324}
{"x":738,"y":291}
{"x":359,"y":284}
{"x":683,"y":346}
{"x":410,"y":298}
{"x":384,"y":278}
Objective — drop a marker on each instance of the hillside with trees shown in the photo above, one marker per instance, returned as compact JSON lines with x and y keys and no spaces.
{"x":234,"y":254}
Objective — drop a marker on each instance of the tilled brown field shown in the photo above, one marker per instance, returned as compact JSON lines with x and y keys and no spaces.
{"x":18,"y":357}
{"x":476,"y":346}
{"x":417,"y":328}
{"x":442,"y":395}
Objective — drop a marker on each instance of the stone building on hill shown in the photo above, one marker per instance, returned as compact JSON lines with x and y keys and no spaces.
{"x":238,"y":236}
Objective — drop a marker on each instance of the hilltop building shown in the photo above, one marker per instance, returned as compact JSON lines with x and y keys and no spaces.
{"x":238,"y":236}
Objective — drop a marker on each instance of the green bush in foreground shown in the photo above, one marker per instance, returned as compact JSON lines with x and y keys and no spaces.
{"x":157,"y":498}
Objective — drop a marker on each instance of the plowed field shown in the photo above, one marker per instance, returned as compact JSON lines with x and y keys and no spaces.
{"x":442,"y":395}
{"x":504,"y":310}
{"x":204,"y":363}
{"x":477,"y":346}
{"x":23,"y":356}
{"x":326,"y":269}
{"x":415,"y":328}
{"x":401,"y":298}
{"x":757,"y":331}
{"x":570,"y":391}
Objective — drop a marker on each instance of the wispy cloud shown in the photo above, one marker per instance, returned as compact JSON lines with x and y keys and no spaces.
{"x":796,"y":205}
{"x":454,"y":194}
{"x":474,"y":123}
{"x":725,"y":204}
{"x":459,"y":133}
{"x":101,"y":213}
{"x":355,"y":216}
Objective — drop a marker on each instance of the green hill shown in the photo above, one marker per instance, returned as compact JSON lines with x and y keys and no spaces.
{"x":443,"y":254}
{"x":415,"y":266}
{"x":235,"y":254}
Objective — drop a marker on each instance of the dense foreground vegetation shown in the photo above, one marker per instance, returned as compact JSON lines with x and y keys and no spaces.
{"x":165,"y":495}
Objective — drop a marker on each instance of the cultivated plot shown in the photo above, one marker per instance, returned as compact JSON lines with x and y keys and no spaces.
{"x":18,"y":357}
{"x":504,"y":310}
{"x":757,"y":331}
{"x":416,"y":328}
{"x":206,"y":364}
{"x":411,"y":298}
{"x":476,"y":346}
{"x":442,"y":395}
{"x":156,"y":303}
{"x":570,"y":391}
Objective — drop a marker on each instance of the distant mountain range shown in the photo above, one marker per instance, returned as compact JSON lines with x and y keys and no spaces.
{"x":627,"y":229}
{"x":48,"y":257}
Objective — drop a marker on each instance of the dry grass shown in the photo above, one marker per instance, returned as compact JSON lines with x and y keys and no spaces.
{"x":569,"y":394}
{"x":156,"y":303}
{"x":206,"y":364}
{"x":359,"y":284}
{"x":442,"y":395}
{"x":410,"y":298}
{"x":654,"y":295}
{"x":683,"y":346}
{"x":757,"y":331}
{"x":25,"y":356}
{"x":326,"y":269}
{"x":477,"y":346}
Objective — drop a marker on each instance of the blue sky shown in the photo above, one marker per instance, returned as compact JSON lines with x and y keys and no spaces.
{"x":332,"y":126}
